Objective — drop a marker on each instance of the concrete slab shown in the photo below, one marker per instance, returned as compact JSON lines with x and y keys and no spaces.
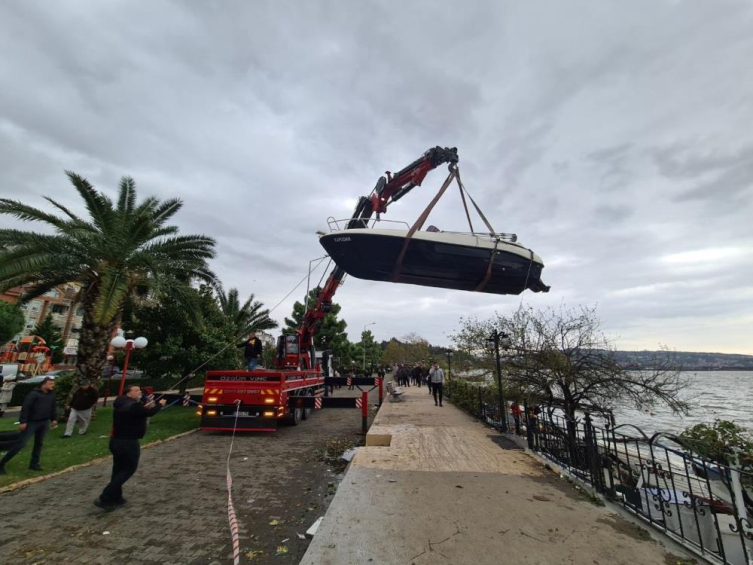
{"x":449,"y":490}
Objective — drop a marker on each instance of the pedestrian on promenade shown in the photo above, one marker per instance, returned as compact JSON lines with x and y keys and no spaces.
{"x":128,"y":427}
{"x":517,"y":412}
{"x":436,"y":377}
{"x":416,"y":375}
{"x":81,"y":409}
{"x":38,"y":413}
{"x":252,"y":350}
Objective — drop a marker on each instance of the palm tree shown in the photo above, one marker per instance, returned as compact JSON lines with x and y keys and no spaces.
{"x":123,"y":249}
{"x":246,"y":318}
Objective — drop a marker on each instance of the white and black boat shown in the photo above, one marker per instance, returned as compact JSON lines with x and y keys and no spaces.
{"x":496,"y":264}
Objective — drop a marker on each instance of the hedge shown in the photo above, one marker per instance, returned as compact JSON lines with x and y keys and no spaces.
{"x":22,"y":389}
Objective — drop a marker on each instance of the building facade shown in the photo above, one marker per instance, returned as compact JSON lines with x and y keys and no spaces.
{"x":62,"y":304}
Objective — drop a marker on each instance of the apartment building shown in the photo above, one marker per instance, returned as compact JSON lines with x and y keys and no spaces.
{"x":62,"y":304}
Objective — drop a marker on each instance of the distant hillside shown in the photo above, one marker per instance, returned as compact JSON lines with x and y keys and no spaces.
{"x":691,"y":361}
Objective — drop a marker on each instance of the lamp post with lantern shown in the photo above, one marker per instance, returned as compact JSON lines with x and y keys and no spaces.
{"x":497,"y":339}
{"x":120,"y":342}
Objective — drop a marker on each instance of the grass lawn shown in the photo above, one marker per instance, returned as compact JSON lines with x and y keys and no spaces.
{"x":59,"y":454}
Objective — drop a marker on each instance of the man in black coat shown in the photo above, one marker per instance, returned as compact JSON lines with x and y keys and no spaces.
{"x":251,"y":351}
{"x":38,"y":413}
{"x":128,"y":427}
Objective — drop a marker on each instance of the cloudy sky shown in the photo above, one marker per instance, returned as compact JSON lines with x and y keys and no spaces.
{"x":614,"y":138}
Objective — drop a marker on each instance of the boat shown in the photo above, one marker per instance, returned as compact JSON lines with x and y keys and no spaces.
{"x":492,"y":263}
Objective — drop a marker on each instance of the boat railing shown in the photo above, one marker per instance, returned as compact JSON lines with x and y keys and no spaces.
{"x":341,"y":224}
{"x":368,"y":223}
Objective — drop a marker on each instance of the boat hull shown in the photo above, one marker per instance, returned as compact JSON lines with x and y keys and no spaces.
{"x":366,"y":254}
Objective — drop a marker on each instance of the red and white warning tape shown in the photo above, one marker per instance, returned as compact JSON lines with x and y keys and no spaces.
{"x":349,"y":381}
{"x":318,"y":403}
{"x":359,"y":403}
{"x":230,"y":508}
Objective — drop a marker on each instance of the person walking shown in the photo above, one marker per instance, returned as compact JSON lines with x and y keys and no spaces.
{"x":436,"y":378}
{"x":517,"y":412}
{"x":252,"y":350}
{"x":38,"y":414}
{"x":81,"y":409}
{"x":128,"y":427}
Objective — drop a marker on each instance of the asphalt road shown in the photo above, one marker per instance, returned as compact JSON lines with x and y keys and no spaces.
{"x":177,"y":501}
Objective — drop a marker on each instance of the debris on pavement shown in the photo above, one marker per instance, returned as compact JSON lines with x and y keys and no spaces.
{"x":311,"y":532}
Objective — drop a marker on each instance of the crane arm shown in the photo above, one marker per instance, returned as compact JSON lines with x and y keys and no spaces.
{"x":389,"y":188}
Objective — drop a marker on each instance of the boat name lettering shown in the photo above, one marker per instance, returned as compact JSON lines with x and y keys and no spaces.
{"x":339,"y":239}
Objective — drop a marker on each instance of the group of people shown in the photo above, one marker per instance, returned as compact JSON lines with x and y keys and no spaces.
{"x":129,"y":423}
{"x":418,"y":375}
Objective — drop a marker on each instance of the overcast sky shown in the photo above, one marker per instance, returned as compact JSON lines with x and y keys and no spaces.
{"x":614,"y":138}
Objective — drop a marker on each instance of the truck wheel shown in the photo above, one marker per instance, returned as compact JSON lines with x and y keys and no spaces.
{"x":307,"y":411}
{"x":295,"y":416}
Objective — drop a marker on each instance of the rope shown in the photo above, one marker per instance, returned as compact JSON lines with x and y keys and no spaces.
{"x":231,"y":517}
{"x":525,"y":286}
{"x":194,"y":371}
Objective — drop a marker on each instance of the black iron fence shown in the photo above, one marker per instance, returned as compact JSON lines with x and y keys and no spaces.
{"x":703,"y":504}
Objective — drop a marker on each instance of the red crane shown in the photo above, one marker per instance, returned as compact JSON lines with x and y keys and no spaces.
{"x":389,"y":188}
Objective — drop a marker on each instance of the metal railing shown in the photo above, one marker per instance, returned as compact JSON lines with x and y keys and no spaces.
{"x":700,"y":503}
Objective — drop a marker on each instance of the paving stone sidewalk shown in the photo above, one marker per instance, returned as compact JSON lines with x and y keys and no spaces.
{"x":176,"y":511}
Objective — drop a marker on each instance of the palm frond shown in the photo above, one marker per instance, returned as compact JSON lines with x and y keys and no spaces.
{"x":113,"y":290}
{"x":97,"y":204}
{"x":126,"y":196}
{"x":167,"y":210}
{"x":29,"y":213}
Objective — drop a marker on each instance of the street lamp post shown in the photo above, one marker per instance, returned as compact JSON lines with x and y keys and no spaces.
{"x":449,"y":366}
{"x":111,"y":362}
{"x":363,"y":343}
{"x":496,"y":339}
{"x":119,"y":342}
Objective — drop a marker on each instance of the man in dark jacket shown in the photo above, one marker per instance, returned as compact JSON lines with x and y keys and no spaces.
{"x":251,"y":351}
{"x":128,"y":427}
{"x":81,"y":409}
{"x":37,"y":412}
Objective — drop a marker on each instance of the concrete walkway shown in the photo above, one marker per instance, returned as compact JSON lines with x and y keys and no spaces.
{"x":434,"y":486}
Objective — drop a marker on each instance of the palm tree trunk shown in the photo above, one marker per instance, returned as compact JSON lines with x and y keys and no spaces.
{"x":93,"y":343}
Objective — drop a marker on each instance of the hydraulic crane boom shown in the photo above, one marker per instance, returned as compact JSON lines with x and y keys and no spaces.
{"x":389,"y":188}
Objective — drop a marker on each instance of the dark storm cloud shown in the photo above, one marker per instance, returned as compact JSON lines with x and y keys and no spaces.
{"x":612,"y":137}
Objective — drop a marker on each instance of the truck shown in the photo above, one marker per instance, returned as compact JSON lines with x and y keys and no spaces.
{"x":259,"y":400}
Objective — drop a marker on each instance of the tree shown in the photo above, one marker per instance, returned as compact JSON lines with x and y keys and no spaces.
{"x":331,"y":334}
{"x":52,"y":337}
{"x":11,"y":321}
{"x":373,"y":350}
{"x":411,"y":349}
{"x":123,"y":249}
{"x":178,"y":342}
{"x":246,"y":318}
{"x":560,"y":357}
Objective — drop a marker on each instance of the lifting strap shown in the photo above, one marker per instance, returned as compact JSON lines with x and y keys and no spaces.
{"x":488,"y":275}
{"x":420,"y":222}
{"x":465,"y":206}
{"x":480,"y":213}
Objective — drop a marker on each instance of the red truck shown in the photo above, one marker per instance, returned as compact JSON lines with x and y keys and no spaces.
{"x":262,"y":397}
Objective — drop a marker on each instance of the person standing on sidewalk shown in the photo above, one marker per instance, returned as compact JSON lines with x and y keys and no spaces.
{"x":436,"y":378}
{"x":81,"y":409}
{"x":252,"y":350}
{"x":38,"y":413}
{"x":128,"y":427}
